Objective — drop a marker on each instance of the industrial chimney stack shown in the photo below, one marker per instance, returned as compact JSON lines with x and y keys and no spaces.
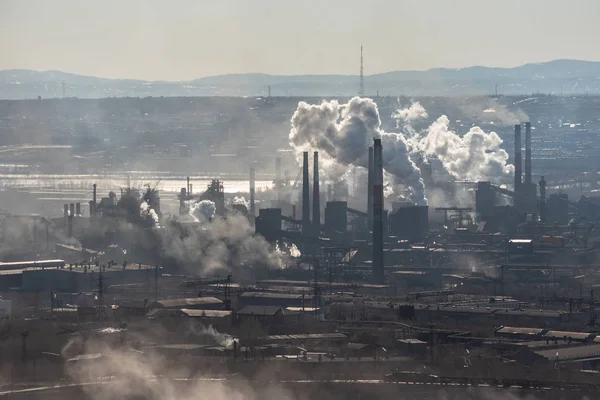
{"x":518,"y":158}
{"x":378,"y":266}
{"x":316,"y":215}
{"x":370,"y":175}
{"x":305,"y":195}
{"x":528,"y":180}
{"x":543,"y":200}
{"x":252,"y":192}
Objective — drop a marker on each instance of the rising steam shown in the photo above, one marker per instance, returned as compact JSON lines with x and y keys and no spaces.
{"x":343,"y":132}
{"x":476,"y":156}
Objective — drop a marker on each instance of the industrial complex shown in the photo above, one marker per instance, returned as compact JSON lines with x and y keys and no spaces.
{"x":314,"y":278}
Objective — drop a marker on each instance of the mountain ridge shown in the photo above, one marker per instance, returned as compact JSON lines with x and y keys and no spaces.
{"x":575,"y":76}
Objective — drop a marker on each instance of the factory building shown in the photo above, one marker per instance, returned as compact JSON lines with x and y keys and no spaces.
{"x":410,"y":223}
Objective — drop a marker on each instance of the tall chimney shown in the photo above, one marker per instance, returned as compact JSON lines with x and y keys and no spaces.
{"x":252,"y":189}
{"x":543,"y":199}
{"x":278,"y":182}
{"x":70,"y":219}
{"x":182,"y":197}
{"x":305,"y":195}
{"x":94,"y":201}
{"x":187,"y":187}
{"x":66,"y":210}
{"x":378,"y":266}
{"x":370,"y":177}
{"x":528,"y":153}
{"x":518,"y":158}
{"x":316,"y":210}
{"x":78,"y":209}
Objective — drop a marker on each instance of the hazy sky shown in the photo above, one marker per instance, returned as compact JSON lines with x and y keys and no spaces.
{"x":186,"y":39}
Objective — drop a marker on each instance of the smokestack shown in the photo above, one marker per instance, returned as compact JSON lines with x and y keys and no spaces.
{"x":378,"y":266}
{"x":182,"y":197}
{"x":278,"y":182}
{"x":543,"y":199}
{"x":187,"y":187}
{"x":518,"y":168}
{"x":70,"y":219}
{"x":528,"y":153}
{"x":66,"y":210}
{"x":191,"y":187}
{"x":316,"y":215}
{"x":94,"y":204}
{"x":370,"y":177}
{"x":252,"y":188}
{"x":305,"y":195}
{"x":78,"y":209}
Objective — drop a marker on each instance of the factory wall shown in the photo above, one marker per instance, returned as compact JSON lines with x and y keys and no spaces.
{"x":410,"y":223}
{"x":268,"y":223}
{"x":336,"y":216}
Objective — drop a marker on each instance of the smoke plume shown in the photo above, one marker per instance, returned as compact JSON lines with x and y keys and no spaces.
{"x":343,"y":132}
{"x":202,"y":211}
{"x":476,"y":155}
{"x":217,"y":243}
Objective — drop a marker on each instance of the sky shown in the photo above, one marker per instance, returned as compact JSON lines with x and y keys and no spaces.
{"x":187,"y":39}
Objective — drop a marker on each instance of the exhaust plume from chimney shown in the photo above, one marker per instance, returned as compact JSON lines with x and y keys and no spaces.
{"x":378,"y":266}
{"x":305,"y":195}
{"x":528,"y":153}
{"x":316,"y":198}
{"x":252,"y":190}
{"x":518,"y":158}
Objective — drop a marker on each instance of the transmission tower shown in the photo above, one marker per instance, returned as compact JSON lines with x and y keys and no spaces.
{"x":361,"y":93}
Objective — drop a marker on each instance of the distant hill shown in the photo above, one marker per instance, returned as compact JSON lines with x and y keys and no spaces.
{"x":558,"y":76}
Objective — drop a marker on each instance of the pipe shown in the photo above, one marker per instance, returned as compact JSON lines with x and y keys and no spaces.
{"x":252,"y":189}
{"x":370,"y":189}
{"x":518,"y":160}
{"x":316,"y":210}
{"x":528,"y":153}
{"x":305,"y":195}
{"x":378,"y":264}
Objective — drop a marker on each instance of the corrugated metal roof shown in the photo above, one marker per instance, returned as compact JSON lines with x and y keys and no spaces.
{"x":206,"y":313}
{"x":268,"y":295}
{"x":307,"y":336}
{"x":581,"y":336}
{"x":510,"y":330}
{"x":571,"y":353}
{"x":194,"y":301}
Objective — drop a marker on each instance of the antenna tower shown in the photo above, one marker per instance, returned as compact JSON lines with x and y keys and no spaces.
{"x":362,"y":77}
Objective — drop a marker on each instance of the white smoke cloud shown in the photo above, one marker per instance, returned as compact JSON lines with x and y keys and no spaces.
{"x":476,"y":155}
{"x":224,"y":243}
{"x":146,"y":210}
{"x":202,"y":211}
{"x":342,"y":134}
{"x":241,"y":200}
{"x":411,"y":114}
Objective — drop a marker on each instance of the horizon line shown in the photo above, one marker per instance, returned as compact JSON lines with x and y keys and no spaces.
{"x":293,"y":75}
